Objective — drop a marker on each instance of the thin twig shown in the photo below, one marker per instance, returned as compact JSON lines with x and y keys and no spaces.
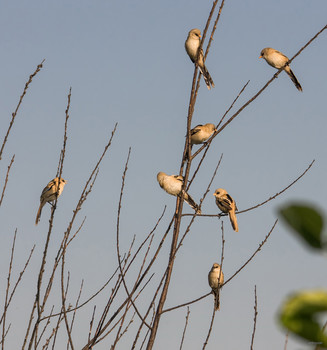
{"x":253,"y":255}
{"x":214,"y":29}
{"x":38,"y":304}
{"x":44,"y":328}
{"x":262,"y":203}
{"x":19,"y":279}
{"x":7,"y":292}
{"x":236,"y":273}
{"x":1,"y":341}
{"x":286,"y":341}
{"x":139,"y":293}
{"x":75,"y":308}
{"x":184,"y":331}
{"x":91,"y":322}
{"x":117,"y":240}
{"x":267,"y":84}
{"x":6,"y":180}
{"x":255,"y":316}
{"x":209,"y":141}
{"x":13,"y":116}
{"x":210,"y":329}
{"x":280,"y":192}
{"x":221,"y":262}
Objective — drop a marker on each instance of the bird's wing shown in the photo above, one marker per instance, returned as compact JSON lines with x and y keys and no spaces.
{"x":226,"y":203}
{"x":196,"y":129}
{"x":48,"y":187}
{"x":178,"y":177}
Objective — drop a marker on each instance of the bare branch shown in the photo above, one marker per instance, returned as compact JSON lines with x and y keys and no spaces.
{"x":13,"y":116}
{"x":210,"y":329}
{"x":184,"y":331}
{"x":253,"y":255}
{"x":255,"y":316}
{"x":7,"y":292}
{"x":6,"y":179}
{"x":18,"y":280}
{"x":279,"y":193}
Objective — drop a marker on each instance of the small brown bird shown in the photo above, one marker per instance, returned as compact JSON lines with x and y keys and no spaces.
{"x":227,"y":205}
{"x":215,"y":275}
{"x":173,"y":184}
{"x":49,"y":194}
{"x":192,"y":45}
{"x":200,"y":133}
{"x":278,"y":60}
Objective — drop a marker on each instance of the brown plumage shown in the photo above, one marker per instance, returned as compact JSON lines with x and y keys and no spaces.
{"x":49,"y":194}
{"x":192,"y":45}
{"x":215,"y":275}
{"x":227,"y":205}
{"x":278,"y":60}
{"x":173,"y":184}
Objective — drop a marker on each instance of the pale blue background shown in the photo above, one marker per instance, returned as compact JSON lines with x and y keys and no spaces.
{"x":126,"y":63}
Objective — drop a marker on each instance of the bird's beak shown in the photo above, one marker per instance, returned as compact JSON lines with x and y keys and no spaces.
{"x":260,"y":56}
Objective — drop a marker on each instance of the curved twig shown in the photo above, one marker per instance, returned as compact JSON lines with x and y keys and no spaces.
{"x":13,"y":116}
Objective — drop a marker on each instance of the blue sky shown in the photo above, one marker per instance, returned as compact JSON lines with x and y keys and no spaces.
{"x":126,"y":63}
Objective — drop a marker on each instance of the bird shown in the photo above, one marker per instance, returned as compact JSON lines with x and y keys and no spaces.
{"x":173,"y":184}
{"x":49,"y":194}
{"x":192,"y":45}
{"x":215,"y":275}
{"x":227,"y":205}
{"x":200,"y":133}
{"x":278,"y":60}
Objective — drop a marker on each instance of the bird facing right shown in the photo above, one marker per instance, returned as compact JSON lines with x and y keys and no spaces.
{"x":227,"y":205}
{"x":215,"y":275}
{"x":278,"y":60}
{"x":192,"y":45}
{"x":49,"y":194}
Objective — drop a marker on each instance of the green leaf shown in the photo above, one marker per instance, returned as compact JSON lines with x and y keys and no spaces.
{"x":306,"y":221}
{"x":299,"y":314}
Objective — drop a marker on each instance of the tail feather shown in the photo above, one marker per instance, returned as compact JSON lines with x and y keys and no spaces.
{"x":206,"y":76}
{"x":217,"y":301}
{"x":190,"y":201}
{"x":293,"y":78}
{"x":233,"y":220}
{"x":38,"y":215}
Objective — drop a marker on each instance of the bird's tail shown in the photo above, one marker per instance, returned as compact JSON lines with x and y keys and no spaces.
{"x":233,"y":220}
{"x":38,"y":215}
{"x":293,"y":78}
{"x":206,"y":76}
{"x":190,"y":201}
{"x":217,"y":301}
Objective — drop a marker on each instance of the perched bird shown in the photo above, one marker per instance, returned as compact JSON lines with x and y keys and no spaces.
{"x":278,"y":60}
{"x":200,"y":133}
{"x":215,"y":275}
{"x":192,"y":45}
{"x":227,"y":205}
{"x":49,"y":194}
{"x":173,"y":184}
